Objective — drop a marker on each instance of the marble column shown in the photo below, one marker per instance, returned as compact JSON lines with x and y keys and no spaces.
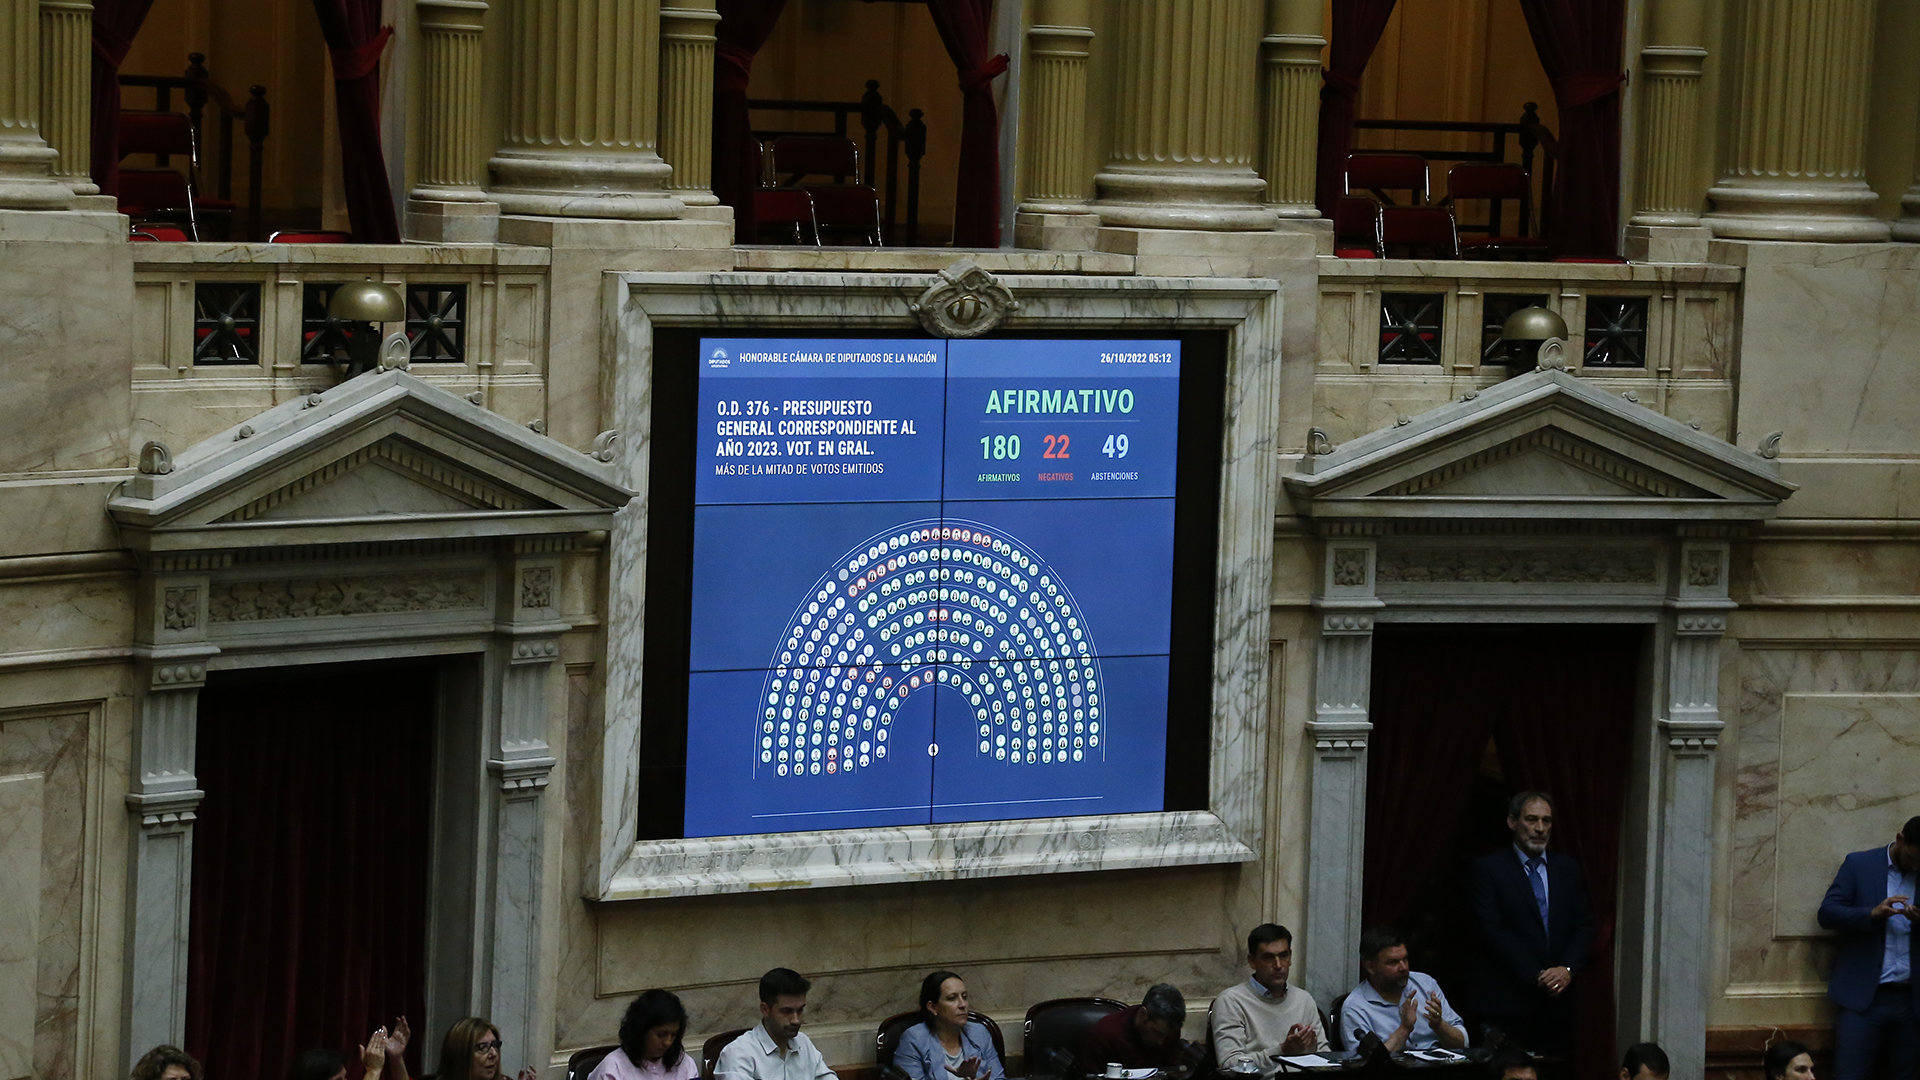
{"x":1668,"y":188}
{"x":1056,"y":211}
{"x":521,"y":763}
{"x":450,"y":203}
{"x":1339,"y":732}
{"x":583,"y":113}
{"x":1290,"y":105}
{"x":1691,"y":733}
{"x":66,"y":89}
{"x":1908,"y":226}
{"x":1798,"y":152}
{"x":1183,"y":118}
{"x":27,"y":163}
{"x":162,"y":801}
{"x":686,"y":98}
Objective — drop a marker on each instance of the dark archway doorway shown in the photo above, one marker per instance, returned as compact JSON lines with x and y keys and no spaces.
{"x":1464,"y":717}
{"x":310,"y":864}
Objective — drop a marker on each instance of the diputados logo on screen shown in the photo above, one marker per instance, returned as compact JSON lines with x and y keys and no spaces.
{"x":932,"y":581}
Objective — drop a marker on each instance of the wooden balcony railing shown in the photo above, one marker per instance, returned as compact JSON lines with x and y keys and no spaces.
{"x":1529,"y":138}
{"x":197,"y":91}
{"x":909,"y":136}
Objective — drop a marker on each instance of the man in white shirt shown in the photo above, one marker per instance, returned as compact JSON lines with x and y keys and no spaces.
{"x":775,"y":1049}
{"x":1256,"y":1019}
{"x":1403,"y":1007}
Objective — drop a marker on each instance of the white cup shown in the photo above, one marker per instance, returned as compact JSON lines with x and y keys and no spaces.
{"x":1114,"y":1069}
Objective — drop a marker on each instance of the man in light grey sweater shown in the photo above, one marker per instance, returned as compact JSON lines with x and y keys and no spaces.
{"x":1256,"y":1019}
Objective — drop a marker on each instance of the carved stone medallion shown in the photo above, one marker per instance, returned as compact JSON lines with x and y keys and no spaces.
{"x":964,"y":301}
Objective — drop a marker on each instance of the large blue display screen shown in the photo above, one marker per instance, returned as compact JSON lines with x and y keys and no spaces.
{"x":932,"y":581}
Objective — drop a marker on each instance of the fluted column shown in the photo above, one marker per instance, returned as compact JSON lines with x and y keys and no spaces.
{"x":1058,"y":180}
{"x":1290,"y":105}
{"x":583,"y":112}
{"x":26,"y":161}
{"x":450,"y":203}
{"x":1669,"y":184}
{"x":1183,"y":117}
{"x":686,"y":98}
{"x":66,"y":89}
{"x":1798,"y":156}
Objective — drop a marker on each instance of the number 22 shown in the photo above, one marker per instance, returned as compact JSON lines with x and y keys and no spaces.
{"x":1056,"y":446}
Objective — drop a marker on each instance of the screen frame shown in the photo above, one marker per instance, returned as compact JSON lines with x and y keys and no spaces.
{"x":671,"y":480}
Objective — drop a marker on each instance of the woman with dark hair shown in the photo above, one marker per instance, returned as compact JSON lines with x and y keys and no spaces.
{"x":950,"y":1043}
{"x":650,"y":1042}
{"x":1788,"y":1061}
{"x":471,"y":1051}
{"x":166,"y":1063}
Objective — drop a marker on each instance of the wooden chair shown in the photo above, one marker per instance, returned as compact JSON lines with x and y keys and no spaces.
{"x":1410,"y":228}
{"x":1496,"y":182}
{"x":1054,"y":1030}
{"x":1384,"y":172}
{"x":161,"y":191}
{"x":710,"y":1050}
{"x":583,"y":1062}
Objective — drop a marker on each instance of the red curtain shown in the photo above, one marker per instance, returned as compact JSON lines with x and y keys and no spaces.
{"x":1429,"y":732}
{"x":115,"y":22}
{"x":355,"y":40}
{"x":1559,"y":703}
{"x":1357,"y":25}
{"x":1580,"y":43}
{"x":745,"y":25}
{"x":309,"y":868}
{"x":963,"y":26}
{"x":1565,"y":732}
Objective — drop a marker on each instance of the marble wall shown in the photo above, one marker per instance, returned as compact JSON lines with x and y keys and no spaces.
{"x":44,"y":890}
{"x":1820,"y":764}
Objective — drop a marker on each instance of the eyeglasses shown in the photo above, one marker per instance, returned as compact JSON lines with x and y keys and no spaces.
{"x":485,"y":1045}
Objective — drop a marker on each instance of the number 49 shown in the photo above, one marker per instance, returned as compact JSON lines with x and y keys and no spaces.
{"x":1116,"y":446}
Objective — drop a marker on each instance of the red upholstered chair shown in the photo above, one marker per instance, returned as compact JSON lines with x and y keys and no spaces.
{"x":785,"y":216}
{"x":1354,"y":230}
{"x":1384,"y":172}
{"x":850,"y":210}
{"x":165,"y":134}
{"x":310,"y":236}
{"x":829,"y":169}
{"x":1496,"y":182}
{"x":1410,"y":228}
{"x":149,"y":232}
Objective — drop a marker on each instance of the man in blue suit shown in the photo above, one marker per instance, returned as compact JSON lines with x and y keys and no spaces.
{"x":1530,"y":907}
{"x":1870,"y":904}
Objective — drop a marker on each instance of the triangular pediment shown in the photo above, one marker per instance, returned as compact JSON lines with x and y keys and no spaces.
{"x":1542,"y":445}
{"x":383,"y":456}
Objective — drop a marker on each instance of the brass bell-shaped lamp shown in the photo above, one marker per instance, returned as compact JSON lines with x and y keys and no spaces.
{"x":1534,"y":337}
{"x":359,"y":305}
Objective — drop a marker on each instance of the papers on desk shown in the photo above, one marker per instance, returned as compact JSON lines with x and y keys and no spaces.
{"x":1436,"y":1054}
{"x":1308,"y":1061}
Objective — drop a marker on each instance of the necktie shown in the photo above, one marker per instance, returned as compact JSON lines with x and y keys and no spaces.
{"x":1537,"y":877}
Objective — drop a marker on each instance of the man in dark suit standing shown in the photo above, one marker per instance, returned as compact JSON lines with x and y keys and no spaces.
{"x":1870,"y":904}
{"x":1530,"y":907}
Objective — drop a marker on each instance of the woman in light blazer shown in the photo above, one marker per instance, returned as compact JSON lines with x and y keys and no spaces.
{"x":948,"y":1044}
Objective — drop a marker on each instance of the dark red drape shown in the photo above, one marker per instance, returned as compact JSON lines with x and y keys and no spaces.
{"x":309,"y":869}
{"x":1559,"y":704}
{"x":115,"y":22}
{"x":744,"y":26}
{"x":1430,"y":730}
{"x":1563,"y":732}
{"x":963,"y":26}
{"x":1580,"y":43}
{"x":1356,"y":29}
{"x":355,"y":40}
